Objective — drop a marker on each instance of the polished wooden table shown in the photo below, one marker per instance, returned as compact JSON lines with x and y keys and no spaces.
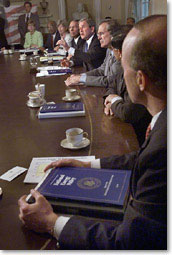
{"x":23,"y":136}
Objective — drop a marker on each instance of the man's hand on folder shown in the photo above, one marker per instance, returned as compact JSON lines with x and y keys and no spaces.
{"x":68,"y":162}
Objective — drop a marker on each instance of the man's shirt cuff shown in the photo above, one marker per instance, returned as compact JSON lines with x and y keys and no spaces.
{"x":116,"y":99}
{"x":71,"y":51}
{"x":59,"y":225}
{"x":83,"y":78}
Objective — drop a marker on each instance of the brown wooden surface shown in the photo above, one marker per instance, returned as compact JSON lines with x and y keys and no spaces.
{"x":23,"y":136}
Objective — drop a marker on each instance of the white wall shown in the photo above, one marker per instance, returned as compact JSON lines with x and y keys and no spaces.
{"x":159,"y":6}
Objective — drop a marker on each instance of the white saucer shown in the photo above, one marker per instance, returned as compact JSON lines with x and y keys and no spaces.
{"x":85,"y":142}
{"x":22,"y":59}
{"x":69,"y":99}
{"x":36,"y":105}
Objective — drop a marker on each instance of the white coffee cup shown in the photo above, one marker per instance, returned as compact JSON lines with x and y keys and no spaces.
{"x":34,"y":97}
{"x":41,"y":89}
{"x":35,"y":53}
{"x":70,"y":93}
{"x":6,"y":52}
{"x":11,"y":51}
{"x":23,"y":57}
{"x":75,"y":136}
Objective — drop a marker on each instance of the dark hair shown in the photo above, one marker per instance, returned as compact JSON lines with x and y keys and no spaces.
{"x":119,"y":36}
{"x":90,"y":22}
{"x":149,"y":52}
{"x":27,"y":2}
{"x":112,"y":25}
{"x":133,"y":19}
{"x":30,"y":21}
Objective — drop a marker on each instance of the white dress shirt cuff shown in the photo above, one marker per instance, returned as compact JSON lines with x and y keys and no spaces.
{"x":95,"y":163}
{"x":71,"y":51}
{"x":83,"y":78}
{"x":116,"y":99}
{"x":59,"y":225}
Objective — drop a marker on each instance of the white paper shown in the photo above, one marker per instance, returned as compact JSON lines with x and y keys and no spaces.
{"x":45,"y":73}
{"x":13,"y":173}
{"x":36,"y":169}
{"x":46,"y":68}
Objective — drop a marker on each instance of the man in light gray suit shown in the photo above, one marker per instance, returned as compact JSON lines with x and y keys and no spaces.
{"x":23,"y":20}
{"x":103,"y":75}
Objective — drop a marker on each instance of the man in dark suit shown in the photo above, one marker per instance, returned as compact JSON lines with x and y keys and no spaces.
{"x":104,"y":74}
{"x":23,"y":20}
{"x":53,"y":35}
{"x":91,"y":54}
{"x":144,"y":226}
{"x":76,"y":43}
{"x":117,"y":101}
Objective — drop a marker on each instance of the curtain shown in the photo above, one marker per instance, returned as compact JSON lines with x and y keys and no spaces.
{"x":97,"y":8}
{"x":62,"y":9}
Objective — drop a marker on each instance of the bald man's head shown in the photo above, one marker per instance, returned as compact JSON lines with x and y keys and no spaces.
{"x":149,"y":49}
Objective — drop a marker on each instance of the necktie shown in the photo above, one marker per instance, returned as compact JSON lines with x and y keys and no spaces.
{"x":86,"y":47}
{"x":27,"y":19}
{"x":52,"y":41}
{"x":148,"y":131}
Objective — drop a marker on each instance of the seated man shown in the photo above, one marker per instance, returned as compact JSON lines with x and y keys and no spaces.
{"x":23,"y":21}
{"x":91,"y":55}
{"x":103,"y":75}
{"x":144,"y":225}
{"x":76,"y":43}
{"x":53,"y":36}
{"x":117,"y":101}
{"x":130,"y":21}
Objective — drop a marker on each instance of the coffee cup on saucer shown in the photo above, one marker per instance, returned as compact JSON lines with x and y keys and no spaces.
{"x":23,"y":57}
{"x":75,"y":136}
{"x":5,"y":52}
{"x":70,"y":93}
{"x":34,"y":98}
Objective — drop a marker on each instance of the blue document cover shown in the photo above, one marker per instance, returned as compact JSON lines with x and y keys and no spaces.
{"x":62,"y":107}
{"x":103,"y":186}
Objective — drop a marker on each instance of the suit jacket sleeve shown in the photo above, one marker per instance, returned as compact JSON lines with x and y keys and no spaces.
{"x":21,"y":27}
{"x":98,"y":77}
{"x":35,"y":17}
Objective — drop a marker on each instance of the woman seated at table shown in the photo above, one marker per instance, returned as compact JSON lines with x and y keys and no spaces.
{"x":63,"y":31}
{"x":33,"y":38}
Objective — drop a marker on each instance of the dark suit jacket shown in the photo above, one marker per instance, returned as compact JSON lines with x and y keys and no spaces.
{"x":48,"y":41}
{"x":22,"y":26}
{"x":3,"y":40}
{"x":124,"y":109}
{"x":91,"y":59}
{"x":78,"y":46}
{"x":144,"y":225}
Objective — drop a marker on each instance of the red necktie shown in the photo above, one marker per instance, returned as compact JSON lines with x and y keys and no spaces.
{"x":148,"y":130}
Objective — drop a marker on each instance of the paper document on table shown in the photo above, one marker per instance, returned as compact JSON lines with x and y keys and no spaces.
{"x":45,"y":73}
{"x":36,"y":169}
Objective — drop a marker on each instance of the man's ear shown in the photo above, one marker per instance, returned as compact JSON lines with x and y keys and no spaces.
{"x":141,"y":80}
{"x":92,"y":29}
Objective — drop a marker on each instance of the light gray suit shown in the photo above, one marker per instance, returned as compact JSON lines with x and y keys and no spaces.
{"x":22,"y":25}
{"x":103,"y":75}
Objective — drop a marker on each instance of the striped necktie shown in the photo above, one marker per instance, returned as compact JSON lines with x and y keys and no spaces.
{"x":148,"y":130}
